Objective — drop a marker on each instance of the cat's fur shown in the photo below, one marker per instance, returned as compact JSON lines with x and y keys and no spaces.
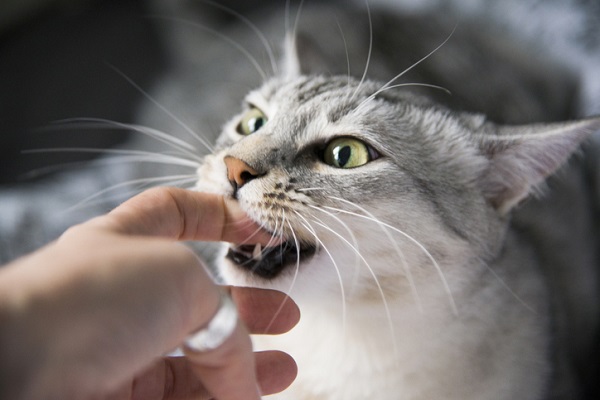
{"x":419,"y":288}
{"x":477,"y":327}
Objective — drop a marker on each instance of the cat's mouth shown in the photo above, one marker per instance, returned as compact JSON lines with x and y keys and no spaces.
{"x":268,"y":262}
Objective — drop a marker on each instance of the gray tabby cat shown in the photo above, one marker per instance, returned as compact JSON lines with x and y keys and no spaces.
{"x":395,"y":212}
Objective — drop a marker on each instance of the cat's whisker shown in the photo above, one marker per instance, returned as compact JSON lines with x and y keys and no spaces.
{"x":370,"y":51}
{"x":510,"y":291}
{"x":297,"y":244}
{"x":249,"y":240}
{"x":354,"y":241}
{"x":254,"y":233}
{"x":345,"y":49}
{"x":423,"y":249}
{"x":223,"y":37}
{"x":373,"y":275}
{"x":259,"y":34}
{"x":126,"y":155}
{"x":151,"y":158}
{"x":275,"y":229}
{"x":338,"y":272}
{"x":100,"y":123}
{"x":309,"y":189}
{"x":371,"y":97}
{"x":172,"y":180}
{"x":95,"y":123}
{"x":291,"y":32}
{"x":401,"y":74}
{"x":296,"y":271}
{"x":272,"y":239}
{"x":435,"y":264}
{"x":170,"y":114}
{"x":75,"y":165}
{"x":398,"y":251}
{"x":297,"y":20}
{"x":163,"y":159}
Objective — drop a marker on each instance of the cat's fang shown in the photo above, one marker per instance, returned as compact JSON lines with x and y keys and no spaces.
{"x":257,"y":252}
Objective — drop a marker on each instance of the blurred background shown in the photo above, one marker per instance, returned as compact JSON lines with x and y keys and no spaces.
{"x":54,"y":65}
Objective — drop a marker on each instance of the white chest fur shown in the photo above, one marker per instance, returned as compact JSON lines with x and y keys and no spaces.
{"x":494,"y":348}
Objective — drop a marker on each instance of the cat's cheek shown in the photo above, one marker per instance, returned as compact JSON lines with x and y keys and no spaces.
{"x":212,"y":176}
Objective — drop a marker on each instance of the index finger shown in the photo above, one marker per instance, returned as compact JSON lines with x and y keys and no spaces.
{"x":185,"y":215}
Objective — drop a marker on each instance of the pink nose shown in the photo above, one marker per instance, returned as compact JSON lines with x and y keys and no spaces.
{"x":238,"y":172}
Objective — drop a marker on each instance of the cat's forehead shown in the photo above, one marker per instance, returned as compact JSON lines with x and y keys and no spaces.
{"x":318,"y":106}
{"x":312,"y":109}
{"x":332,"y":96}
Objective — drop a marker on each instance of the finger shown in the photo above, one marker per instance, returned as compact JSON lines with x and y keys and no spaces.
{"x":275,"y":371}
{"x":184,"y":215}
{"x":174,"y":378}
{"x":170,"y":378}
{"x":265,"y":311}
{"x":228,"y":372}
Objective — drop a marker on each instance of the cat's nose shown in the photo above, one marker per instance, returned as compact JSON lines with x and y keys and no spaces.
{"x":238,"y":172}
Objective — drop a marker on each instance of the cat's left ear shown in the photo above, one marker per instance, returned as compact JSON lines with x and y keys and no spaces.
{"x":290,"y":63}
{"x":302,"y":56}
{"x":522,"y":157}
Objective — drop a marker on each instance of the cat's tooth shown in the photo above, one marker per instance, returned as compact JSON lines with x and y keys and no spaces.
{"x":257,"y":252}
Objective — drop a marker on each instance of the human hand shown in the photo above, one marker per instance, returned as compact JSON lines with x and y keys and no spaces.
{"x":91,"y":315}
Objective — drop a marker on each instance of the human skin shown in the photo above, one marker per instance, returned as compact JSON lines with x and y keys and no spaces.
{"x":93,"y":314}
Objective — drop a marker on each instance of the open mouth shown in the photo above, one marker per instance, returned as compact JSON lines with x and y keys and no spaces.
{"x":268,"y":262}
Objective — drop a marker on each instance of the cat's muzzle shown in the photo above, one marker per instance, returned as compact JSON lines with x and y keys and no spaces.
{"x":269,"y":262}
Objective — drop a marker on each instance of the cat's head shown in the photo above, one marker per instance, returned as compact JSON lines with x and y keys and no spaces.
{"x":372,"y":190}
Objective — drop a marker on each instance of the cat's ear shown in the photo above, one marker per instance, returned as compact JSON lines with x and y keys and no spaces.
{"x":522,"y":157}
{"x":302,"y":56}
{"x":290,"y":63}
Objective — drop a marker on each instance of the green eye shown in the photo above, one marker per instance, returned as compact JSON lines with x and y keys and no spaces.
{"x":252,"y":121}
{"x":348,"y":153}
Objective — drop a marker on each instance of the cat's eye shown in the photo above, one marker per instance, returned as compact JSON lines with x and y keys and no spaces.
{"x":252,"y":121}
{"x":347,"y":152}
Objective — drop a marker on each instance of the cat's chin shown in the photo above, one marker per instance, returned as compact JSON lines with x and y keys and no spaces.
{"x":269,"y":262}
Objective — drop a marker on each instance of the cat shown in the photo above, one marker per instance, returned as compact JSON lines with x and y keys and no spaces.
{"x":398,"y":244}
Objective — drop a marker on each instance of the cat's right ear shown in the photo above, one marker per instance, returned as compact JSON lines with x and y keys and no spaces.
{"x":522,"y":157}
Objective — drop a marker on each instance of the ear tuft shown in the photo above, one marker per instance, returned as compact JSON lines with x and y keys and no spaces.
{"x":522,"y":157}
{"x":290,"y":63}
{"x":302,"y":55}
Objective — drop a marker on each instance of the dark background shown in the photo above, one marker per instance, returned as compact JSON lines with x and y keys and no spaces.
{"x":63,"y":59}
{"x":55,"y":64}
